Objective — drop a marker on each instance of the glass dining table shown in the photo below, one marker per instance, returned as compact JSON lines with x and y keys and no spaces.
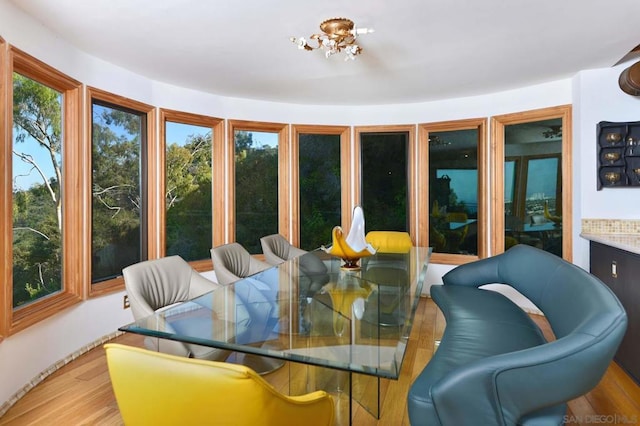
{"x":341,"y":330}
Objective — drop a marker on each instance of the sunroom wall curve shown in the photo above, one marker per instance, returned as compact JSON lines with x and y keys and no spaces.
{"x":35,"y":349}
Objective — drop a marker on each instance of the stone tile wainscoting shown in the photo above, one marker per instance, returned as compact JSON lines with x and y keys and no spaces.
{"x":622,"y":234}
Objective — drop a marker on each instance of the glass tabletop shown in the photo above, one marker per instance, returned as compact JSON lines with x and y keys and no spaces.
{"x":308,"y":310}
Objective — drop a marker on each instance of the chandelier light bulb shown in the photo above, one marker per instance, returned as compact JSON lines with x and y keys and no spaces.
{"x":359,"y":31}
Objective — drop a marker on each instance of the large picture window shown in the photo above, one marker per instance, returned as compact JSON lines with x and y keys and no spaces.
{"x":533,"y":202}
{"x":37,"y":198}
{"x":319,"y":188}
{"x":258,"y":181}
{"x":188,"y":191}
{"x":533,"y":185}
{"x":453,"y":191}
{"x":42,"y":165}
{"x":454,"y":153}
{"x":386,"y":172}
{"x":321,"y":179}
{"x":119,"y":190}
{"x":188,"y":183}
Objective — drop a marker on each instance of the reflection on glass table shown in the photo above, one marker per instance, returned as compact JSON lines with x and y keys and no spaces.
{"x":341,"y":330}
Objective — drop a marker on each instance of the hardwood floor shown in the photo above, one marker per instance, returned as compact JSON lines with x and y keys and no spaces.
{"x":80,"y":393}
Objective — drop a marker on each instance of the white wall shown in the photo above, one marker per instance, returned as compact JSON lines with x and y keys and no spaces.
{"x":597,"y":97}
{"x":594,"y":94}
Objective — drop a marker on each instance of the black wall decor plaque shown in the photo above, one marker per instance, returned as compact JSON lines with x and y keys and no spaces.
{"x":618,"y":154}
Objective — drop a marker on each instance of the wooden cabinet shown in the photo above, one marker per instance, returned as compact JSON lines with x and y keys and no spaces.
{"x":620,"y":270}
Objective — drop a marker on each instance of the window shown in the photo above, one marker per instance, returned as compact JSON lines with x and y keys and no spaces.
{"x":37,"y":198}
{"x":321,"y":183}
{"x":531,"y":207}
{"x":260,"y":181}
{"x":534,"y":183}
{"x":188,"y":184}
{"x":455,"y":154}
{"x":119,"y":190}
{"x":42,"y":162}
{"x":385,"y":164}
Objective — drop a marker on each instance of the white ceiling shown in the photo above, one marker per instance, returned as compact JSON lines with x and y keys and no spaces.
{"x":421,"y":50}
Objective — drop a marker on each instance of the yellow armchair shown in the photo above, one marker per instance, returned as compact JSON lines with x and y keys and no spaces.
{"x":154,"y":388}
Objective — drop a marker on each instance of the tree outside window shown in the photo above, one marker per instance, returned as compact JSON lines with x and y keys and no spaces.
{"x":256,"y":187}
{"x":188,"y":191}
{"x":117,"y":193}
{"x":385,"y":180}
{"x":320,"y":188}
{"x":37,"y":198}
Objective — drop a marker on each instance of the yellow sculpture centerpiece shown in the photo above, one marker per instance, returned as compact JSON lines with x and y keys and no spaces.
{"x":354,"y":247}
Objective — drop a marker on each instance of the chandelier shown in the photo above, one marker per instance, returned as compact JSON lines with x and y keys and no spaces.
{"x":338,"y":35}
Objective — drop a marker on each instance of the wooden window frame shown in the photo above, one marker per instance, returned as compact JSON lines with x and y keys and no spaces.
{"x":284,"y":175}
{"x":5,"y":177}
{"x":153,"y":173}
{"x":498,"y":124}
{"x":479,"y":124}
{"x":14,"y":320}
{"x":345,"y":173}
{"x":217,"y":179}
{"x":412,"y":201}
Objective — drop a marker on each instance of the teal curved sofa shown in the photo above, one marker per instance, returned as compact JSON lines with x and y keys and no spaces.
{"x":493,"y":365}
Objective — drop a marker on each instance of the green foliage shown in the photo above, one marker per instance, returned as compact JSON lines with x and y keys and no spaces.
{"x":188,"y":198}
{"x":243,"y":142}
{"x":385,"y":181}
{"x":37,"y":113}
{"x":256,"y":191}
{"x":33,"y":292}
{"x":320,"y":193}
{"x":37,"y":245}
{"x":37,"y":256}
{"x":37,"y":260}
{"x":117,"y":192}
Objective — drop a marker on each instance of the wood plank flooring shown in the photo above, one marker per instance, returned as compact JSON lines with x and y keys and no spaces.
{"x":80,"y":393}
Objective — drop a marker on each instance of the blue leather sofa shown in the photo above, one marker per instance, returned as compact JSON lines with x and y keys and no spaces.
{"x":493,"y":365}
